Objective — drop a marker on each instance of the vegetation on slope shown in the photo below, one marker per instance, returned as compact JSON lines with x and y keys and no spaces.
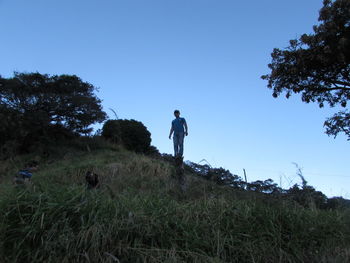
{"x":140,"y":214}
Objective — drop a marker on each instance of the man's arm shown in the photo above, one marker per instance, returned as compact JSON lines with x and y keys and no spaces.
{"x":186,"y":128}
{"x":171,"y":131}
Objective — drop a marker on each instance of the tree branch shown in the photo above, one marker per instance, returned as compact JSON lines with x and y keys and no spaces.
{"x":342,"y":83}
{"x":328,"y":89}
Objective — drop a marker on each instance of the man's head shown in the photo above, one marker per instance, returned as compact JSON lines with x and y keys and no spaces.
{"x":177,"y":113}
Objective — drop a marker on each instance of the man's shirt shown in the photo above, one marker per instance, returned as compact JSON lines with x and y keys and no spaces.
{"x":178,"y":125}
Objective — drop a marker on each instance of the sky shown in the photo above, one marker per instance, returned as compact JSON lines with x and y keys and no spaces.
{"x":203,"y":57}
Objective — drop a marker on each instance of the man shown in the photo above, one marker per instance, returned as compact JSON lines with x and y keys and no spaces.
{"x":180,"y":129}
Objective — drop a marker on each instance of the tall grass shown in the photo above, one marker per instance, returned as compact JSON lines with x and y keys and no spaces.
{"x":140,"y":215}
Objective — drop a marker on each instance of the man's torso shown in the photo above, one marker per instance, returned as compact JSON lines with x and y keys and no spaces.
{"x":178,"y":125}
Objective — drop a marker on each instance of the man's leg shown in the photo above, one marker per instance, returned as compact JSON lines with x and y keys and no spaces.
{"x":176,"y":144}
{"x":181,"y":143}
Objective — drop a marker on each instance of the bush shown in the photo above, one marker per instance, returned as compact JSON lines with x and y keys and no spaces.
{"x":130,"y":133}
{"x":337,"y":203}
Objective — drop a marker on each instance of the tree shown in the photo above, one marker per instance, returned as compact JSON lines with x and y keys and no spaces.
{"x":317,"y":65}
{"x":338,"y":203}
{"x":132,"y":134}
{"x":307,"y":196}
{"x":219,"y":175}
{"x":266,"y":186}
{"x":32,"y":104}
{"x":111,"y":130}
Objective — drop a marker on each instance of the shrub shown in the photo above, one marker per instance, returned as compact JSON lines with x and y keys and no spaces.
{"x":130,"y":133}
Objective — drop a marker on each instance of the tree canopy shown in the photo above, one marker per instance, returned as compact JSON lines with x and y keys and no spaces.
{"x":317,"y":65}
{"x":131,"y":133}
{"x":32,"y":103}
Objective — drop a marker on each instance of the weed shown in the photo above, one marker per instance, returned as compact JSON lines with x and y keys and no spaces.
{"x":139,"y":215}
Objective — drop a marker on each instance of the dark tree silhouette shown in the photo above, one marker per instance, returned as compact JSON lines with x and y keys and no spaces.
{"x":219,"y":175}
{"x":132,"y":134}
{"x":32,"y":104}
{"x":266,"y":186}
{"x":317,"y":65}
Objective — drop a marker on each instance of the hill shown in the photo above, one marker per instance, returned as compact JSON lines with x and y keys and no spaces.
{"x":140,"y":214}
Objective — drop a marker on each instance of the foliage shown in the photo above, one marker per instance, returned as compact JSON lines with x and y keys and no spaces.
{"x":111,"y":130}
{"x":307,"y":196}
{"x":138,"y":216}
{"x":304,"y":195}
{"x":337,"y":203}
{"x":219,"y":175}
{"x":131,"y":133}
{"x":37,"y":106}
{"x":340,"y":122}
{"x":224,"y":177}
{"x":317,"y":65}
{"x":266,"y":186}
{"x":153,"y":152}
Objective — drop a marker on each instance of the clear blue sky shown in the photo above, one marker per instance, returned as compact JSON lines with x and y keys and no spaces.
{"x":203,"y":57}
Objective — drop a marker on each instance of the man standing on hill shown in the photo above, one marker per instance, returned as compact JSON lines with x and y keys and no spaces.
{"x":180,"y":129}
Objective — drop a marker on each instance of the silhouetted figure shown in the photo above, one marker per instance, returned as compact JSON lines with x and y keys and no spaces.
{"x":180,"y":130}
{"x":91,"y":180}
{"x":25,"y":175}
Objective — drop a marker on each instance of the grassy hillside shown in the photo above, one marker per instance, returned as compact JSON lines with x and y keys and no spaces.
{"x":140,"y":214}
